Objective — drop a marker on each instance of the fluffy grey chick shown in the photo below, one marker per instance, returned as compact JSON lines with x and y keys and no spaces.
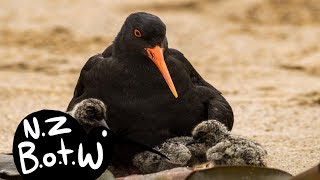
{"x":90,"y":113}
{"x":211,"y":141}
{"x":209,"y":133}
{"x":181,"y":151}
{"x":148,"y":162}
{"x":227,"y":149}
{"x":198,"y":150}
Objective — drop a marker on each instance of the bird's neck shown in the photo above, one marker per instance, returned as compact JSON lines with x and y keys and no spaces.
{"x":122,"y":52}
{"x":127,"y":56}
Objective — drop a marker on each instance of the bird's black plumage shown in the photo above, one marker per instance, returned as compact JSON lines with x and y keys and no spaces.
{"x":136,"y":94}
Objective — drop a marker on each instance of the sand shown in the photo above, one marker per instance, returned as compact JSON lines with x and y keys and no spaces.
{"x":264,"y":55}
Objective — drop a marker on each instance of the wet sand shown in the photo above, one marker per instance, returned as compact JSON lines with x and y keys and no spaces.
{"x":264,"y":55}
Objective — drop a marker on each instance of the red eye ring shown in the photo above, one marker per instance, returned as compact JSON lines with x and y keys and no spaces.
{"x":137,"y":33}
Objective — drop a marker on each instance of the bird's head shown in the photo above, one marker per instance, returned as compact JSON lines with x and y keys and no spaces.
{"x":210,"y":132}
{"x":144,"y":35}
{"x":90,"y":113}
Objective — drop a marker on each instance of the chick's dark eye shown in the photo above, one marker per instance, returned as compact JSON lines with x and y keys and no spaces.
{"x":137,"y":33}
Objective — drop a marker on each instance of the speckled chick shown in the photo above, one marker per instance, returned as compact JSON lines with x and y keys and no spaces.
{"x":90,"y":113}
{"x":181,"y":151}
{"x":210,"y":141}
{"x":227,"y":149}
{"x":148,"y":162}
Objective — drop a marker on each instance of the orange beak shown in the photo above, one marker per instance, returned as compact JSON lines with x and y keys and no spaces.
{"x":156,"y":55}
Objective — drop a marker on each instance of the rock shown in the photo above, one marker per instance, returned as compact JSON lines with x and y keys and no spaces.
{"x":176,"y":173}
{"x":107,"y":175}
{"x":8,"y":168}
{"x":239,"y":172}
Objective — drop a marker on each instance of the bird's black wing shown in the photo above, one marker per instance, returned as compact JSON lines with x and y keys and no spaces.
{"x":217,"y":107}
{"x":79,"y":92}
{"x":107,"y":52}
{"x":194,"y":75}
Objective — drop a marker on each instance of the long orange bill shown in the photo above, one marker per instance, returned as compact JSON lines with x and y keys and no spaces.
{"x":156,"y":55}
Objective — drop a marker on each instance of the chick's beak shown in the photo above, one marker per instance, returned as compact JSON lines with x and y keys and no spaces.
{"x":156,"y":55}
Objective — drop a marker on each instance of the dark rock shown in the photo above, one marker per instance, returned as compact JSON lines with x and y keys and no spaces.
{"x":8,"y":168}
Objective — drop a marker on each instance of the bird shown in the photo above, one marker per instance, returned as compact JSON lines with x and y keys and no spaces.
{"x":151,"y":91}
{"x":210,"y":142}
{"x":224,"y":148}
{"x":178,"y":156}
{"x":90,"y":113}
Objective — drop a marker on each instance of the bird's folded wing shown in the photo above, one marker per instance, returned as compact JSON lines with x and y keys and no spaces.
{"x":194,"y":75}
{"x":107,"y":52}
{"x":85,"y":72}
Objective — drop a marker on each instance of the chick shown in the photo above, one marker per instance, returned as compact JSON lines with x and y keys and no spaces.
{"x":237,"y":151}
{"x":177,"y":153}
{"x":210,"y":141}
{"x":227,"y":149}
{"x":209,"y":133}
{"x":90,"y":113}
{"x":181,"y":152}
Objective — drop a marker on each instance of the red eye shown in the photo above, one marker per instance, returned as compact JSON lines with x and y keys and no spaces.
{"x":137,"y":33}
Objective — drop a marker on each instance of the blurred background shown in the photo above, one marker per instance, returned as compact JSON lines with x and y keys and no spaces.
{"x":264,"y":55}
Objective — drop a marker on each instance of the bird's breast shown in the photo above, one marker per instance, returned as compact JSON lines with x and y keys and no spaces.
{"x":141,"y":101}
{"x":142,"y":82}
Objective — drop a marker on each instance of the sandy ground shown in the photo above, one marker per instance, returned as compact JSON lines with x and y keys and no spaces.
{"x":264,"y":55}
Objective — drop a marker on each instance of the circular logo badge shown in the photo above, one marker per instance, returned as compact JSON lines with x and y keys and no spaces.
{"x":51,"y":144}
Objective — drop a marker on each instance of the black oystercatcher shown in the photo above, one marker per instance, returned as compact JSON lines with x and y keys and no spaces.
{"x":151,"y":91}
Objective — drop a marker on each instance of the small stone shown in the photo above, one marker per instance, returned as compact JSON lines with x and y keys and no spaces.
{"x":8,"y":168}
